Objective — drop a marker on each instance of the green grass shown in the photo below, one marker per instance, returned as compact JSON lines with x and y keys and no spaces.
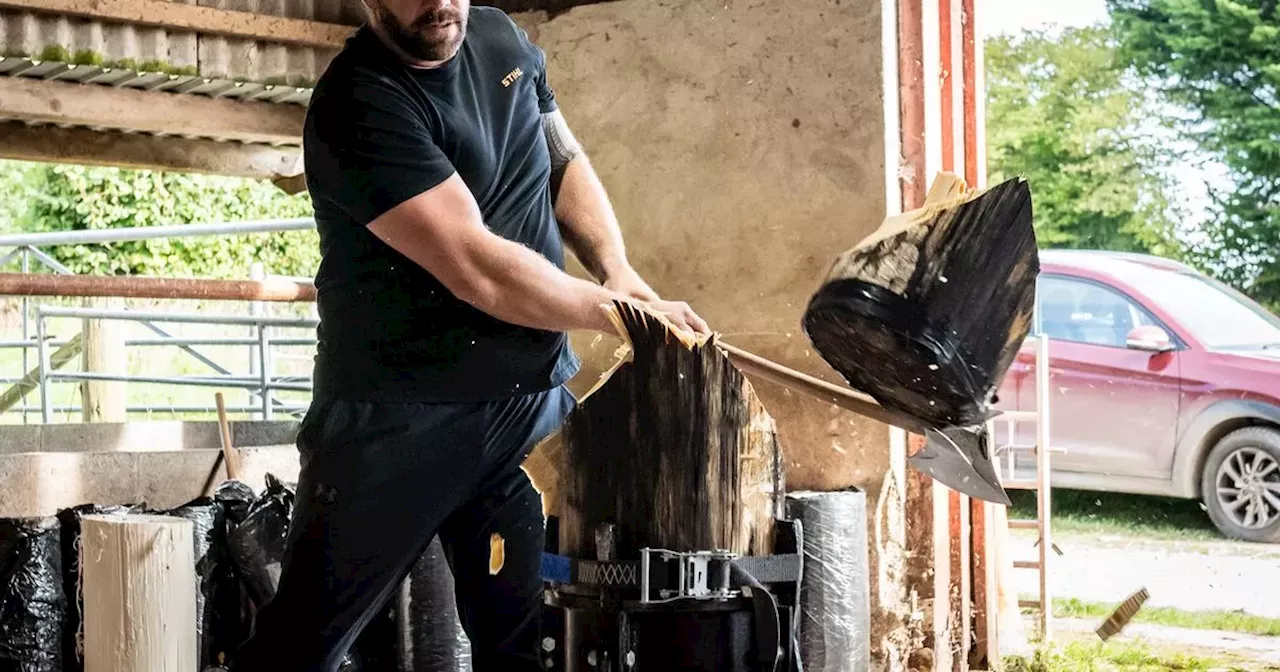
{"x":1228,"y":621}
{"x":1101,"y":513}
{"x":1099,"y":657}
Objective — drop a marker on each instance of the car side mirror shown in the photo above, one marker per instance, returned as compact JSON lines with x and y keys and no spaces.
{"x":1149,"y":339}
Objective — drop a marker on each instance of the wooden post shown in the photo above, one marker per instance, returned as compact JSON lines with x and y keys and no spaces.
{"x":139,"y":594}
{"x":104,"y":352}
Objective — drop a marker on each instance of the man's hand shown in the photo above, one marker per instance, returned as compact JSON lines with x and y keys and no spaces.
{"x":629,"y":283}
{"x":680,"y":315}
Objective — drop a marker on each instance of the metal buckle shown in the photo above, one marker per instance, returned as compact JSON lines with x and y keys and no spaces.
{"x":702,"y":575}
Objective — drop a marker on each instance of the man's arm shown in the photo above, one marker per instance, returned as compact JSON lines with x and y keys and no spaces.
{"x":442,"y":231}
{"x":587,"y":220}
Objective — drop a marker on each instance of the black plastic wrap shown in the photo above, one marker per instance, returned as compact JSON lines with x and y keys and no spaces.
{"x":218,"y":599}
{"x":257,"y":543}
{"x":927,"y":316}
{"x":236,"y":497}
{"x":431,"y":635}
{"x":835,"y":600}
{"x":32,"y":601}
{"x":69,"y":522}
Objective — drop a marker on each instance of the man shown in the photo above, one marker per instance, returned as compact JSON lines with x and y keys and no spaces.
{"x":443,"y":177}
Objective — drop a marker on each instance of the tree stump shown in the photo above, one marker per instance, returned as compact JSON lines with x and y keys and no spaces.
{"x":673,"y":448}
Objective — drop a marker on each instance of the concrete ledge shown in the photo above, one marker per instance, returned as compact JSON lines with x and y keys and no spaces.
{"x":41,"y":484}
{"x":164,"y":436}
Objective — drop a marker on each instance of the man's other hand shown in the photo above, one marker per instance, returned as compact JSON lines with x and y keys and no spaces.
{"x":680,"y":315}
{"x":629,"y":283}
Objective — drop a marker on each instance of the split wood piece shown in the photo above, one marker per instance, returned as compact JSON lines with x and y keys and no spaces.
{"x":139,"y":594}
{"x":672,"y":446}
{"x":229,"y":454}
{"x":927,"y":313}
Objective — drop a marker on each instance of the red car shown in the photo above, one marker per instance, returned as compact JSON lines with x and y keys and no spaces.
{"x":1163,"y":382}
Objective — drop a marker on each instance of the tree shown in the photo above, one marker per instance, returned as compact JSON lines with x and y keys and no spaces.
{"x":1220,"y":59}
{"x":1061,"y":113}
{"x":48,"y":197}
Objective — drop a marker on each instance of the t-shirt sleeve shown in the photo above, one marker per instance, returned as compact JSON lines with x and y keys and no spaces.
{"x":546,"y":95}
{"x":372,"y":151}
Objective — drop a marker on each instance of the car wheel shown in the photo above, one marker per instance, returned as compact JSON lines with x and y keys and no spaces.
{"x":1240,"y":485}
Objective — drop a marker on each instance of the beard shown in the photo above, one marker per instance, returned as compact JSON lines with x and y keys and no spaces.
{"x":434,"y":36}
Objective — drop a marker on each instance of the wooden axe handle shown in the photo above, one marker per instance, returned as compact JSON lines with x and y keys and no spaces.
{"x":229,"y":454}
{"x":845,"y":398}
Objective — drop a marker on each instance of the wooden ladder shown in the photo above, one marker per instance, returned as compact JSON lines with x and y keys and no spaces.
{"x":1040,"y":484}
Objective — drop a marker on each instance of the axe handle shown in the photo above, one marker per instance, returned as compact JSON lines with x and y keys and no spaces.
{"x":845,"y":398}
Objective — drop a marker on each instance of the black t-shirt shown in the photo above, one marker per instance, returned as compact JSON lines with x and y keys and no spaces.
{"x":378,"y":133}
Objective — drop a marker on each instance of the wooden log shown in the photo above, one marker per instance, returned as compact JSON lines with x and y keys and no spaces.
{"x":139,"y":594}
{"x":927,"y":313}
{"x":672,"y":447}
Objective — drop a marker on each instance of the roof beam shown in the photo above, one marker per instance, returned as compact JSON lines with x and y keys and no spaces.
{"x":196,"y":18}
{"x":156,"y":112}
{"x":132,"y":150}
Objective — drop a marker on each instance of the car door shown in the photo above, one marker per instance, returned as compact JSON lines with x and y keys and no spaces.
{"x":1113,"y":409}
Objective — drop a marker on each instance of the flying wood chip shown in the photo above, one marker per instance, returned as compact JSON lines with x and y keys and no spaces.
{"x":927,"y":313}
{"x":672,"y":447}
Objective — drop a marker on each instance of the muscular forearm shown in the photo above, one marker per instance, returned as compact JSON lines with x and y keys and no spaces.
{"x":517,"y":285}
{"x":587,"y":221}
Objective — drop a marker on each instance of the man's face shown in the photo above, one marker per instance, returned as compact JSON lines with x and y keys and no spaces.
{"x":426,"y":30}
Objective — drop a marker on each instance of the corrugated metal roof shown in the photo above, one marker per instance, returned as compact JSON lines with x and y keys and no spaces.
{"x":49,"y":46}
{"x":153,"y":81}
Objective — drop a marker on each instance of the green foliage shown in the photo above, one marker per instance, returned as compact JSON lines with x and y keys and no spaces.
{"x":1061,"y":113}
{"x":1221,"y":60}
{"x":77,"y":198}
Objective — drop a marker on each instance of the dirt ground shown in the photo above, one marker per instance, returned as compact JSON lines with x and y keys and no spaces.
{"x":1191,"y":576}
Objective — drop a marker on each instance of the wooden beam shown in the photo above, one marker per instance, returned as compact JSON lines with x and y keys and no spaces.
{"x":84,"y":146}
{"x":100,"y":106}
{"x":196,"y":18}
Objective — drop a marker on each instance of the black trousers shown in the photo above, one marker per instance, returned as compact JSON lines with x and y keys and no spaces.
{"x":378,"y":482}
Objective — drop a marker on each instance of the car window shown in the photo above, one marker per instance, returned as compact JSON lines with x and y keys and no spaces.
{"x":1084,"y":312}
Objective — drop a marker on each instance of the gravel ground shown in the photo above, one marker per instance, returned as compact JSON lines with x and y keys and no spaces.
{"x":1191,"y":576}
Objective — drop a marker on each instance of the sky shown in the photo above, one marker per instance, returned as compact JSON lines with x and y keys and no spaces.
{"x":1002,"y":16}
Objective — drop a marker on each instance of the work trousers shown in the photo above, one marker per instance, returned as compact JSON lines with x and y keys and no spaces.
{"x":378,"y":482}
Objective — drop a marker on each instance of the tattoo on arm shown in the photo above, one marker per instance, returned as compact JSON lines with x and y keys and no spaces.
{"x":560,"y":141}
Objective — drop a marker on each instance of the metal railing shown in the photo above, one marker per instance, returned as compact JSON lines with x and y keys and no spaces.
{"x":261,"y":381}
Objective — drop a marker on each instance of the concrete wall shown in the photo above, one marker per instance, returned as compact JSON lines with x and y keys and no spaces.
{"x":163,"y":464}
{"x":743,"y":147}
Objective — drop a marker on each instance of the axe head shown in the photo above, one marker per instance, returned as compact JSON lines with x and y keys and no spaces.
{"x":960,"y":458}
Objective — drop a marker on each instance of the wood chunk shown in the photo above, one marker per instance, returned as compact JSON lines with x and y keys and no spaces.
{"x":673,"y":448}
{"x":139,"y":594}
{"x":927,"y":313}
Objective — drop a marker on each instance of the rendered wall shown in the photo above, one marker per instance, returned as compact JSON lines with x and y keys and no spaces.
{"x":743,"y":148}
{"x":743,"y":145}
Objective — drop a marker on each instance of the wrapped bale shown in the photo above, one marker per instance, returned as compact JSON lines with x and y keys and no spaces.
{"x":835,"y":604}
{"x":431,"y":635}
{"x":927,"y":313}
{"x":32,"y":601}
{"x":257,"y":543}
{"x":218,"y":597}
{"x":673,"y":448}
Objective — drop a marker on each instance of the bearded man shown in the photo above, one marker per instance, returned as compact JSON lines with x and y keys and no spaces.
{"x":444,"y":180}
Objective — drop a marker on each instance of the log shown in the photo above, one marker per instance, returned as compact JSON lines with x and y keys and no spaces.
{"x":672,"y":447}
{"x":927,"y":313}
{"x":139,"y":594}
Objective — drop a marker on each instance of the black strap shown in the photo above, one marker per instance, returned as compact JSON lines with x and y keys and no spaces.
{"x":782,"y":568}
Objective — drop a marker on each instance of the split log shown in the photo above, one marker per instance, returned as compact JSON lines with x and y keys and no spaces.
{"x":927,"y":313}
{"x":672,"y":447}
{"x":139,"y":594}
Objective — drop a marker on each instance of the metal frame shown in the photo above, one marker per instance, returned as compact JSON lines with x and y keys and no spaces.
{"x":260,"y":383}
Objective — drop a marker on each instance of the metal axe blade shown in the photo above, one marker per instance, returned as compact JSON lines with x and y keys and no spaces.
{"x":960,"y":458}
